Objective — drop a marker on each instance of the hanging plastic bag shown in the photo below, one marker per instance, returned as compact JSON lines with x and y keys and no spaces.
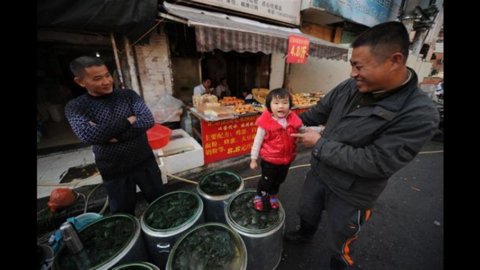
{"x":167,"y":109}
{"x":61,"y":198}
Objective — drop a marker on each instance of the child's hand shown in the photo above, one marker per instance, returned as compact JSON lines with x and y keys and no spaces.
{"x":253,"y":164}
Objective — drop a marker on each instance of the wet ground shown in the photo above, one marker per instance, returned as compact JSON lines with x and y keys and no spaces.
{"x":405,"y":230}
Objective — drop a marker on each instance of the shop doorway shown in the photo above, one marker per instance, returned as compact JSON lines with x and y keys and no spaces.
{"x":242,"y":70}
{"x":55,"y":87}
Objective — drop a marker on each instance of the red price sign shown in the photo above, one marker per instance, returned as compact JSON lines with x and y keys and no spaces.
{"x":297,"y":49}
{"x":228,"y":138}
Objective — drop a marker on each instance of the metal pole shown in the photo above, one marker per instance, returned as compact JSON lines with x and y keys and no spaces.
{"x":117,"y":61}
{"x":129,"y":50}
{"x":286,"y":73}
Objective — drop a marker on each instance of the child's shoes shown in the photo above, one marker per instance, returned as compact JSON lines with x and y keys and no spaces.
{"x":258,"y":203}
{"x":274,"y":204}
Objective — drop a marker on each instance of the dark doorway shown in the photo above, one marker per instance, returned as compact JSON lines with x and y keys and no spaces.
{"x":55,"y":87}
{"x":242,"y":70}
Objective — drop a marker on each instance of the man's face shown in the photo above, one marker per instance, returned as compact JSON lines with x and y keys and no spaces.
{"x":97,"y":80}
{"x":207,"y":84}
{"x":370,"y":73}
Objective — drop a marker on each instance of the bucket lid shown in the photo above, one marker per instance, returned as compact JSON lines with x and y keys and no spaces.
{"x":172,"y":211}
{"x":104,"y":242}
{"x":220,"y":183}
{"x":242,"y":216}
{"x":212,"y":245}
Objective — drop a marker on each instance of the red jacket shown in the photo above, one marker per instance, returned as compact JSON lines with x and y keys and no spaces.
{"x":278,"y":146}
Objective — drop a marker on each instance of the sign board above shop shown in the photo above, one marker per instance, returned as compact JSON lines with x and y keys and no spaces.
{"x":286,"y":11}
{"x":366,"y":12}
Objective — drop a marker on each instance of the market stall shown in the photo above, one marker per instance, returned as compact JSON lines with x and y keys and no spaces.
{"x":226,"y":135}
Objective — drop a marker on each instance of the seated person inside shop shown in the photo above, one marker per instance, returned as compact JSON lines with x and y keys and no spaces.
{"x":203,"y":88}
{"x":222,"y":90}
{"x":247,"y":96}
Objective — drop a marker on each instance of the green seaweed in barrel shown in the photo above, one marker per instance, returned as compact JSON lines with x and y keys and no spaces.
{"x":171,"y":211}
{"x":101,"y":241}
{"x":209,"y":248}
{"x":220,"y":183}
{"x":243,"y":213}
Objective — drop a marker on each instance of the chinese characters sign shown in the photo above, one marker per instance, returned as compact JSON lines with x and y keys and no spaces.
{"x":230,"y":138}
{"x":227,"y":138}
{"x":280,"y":10}
{"x":297,"y":49}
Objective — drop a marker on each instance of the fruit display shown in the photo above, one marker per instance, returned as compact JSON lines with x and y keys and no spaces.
{"x":244,"y":109}
{"x":229,"y":101}
{"x":300,"y":100}
{"x":259,"y":94}
{"x":306,"y":99}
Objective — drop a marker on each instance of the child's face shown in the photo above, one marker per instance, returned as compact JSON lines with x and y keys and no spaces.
{"x":280,"y":107}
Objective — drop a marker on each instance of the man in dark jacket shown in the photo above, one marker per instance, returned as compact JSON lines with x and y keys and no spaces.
{"x":115,"y":123}
{"x":375,"y":124}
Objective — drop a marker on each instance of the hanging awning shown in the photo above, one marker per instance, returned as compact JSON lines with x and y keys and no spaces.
{"x":226,"y":32}
{"x":132,"y":18}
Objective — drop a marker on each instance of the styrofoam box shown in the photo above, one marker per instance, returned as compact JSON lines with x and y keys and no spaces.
{"x":161,"y":165}
{"x":182,"y":153}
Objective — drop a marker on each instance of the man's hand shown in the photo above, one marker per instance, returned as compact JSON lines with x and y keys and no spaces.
{"x":113,"y":140}
{"x":309,"y":138}
{"x":132,"y":119}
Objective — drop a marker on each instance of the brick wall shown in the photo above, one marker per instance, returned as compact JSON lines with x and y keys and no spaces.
{"x":154,"y":67}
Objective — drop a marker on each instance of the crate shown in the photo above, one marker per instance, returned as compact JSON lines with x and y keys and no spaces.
{"x":182,"y":153}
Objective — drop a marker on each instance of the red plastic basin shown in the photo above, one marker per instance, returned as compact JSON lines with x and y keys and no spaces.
{"x":158,"y":136}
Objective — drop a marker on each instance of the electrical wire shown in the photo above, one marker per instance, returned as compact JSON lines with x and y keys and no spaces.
{"x":243,"y":178}
{"x":149,"y":30}
{"x":41,"y":210}
{"x":258,"y":175}
{"x":104,"y":207}
{"x":89,"y":194}
{"x":182,"y":179}
{"x":79,"y":194}
{"x":47,"y":264}
{"x":87,"y":198}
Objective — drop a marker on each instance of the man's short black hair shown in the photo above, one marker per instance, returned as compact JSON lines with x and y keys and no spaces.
{"x":385,"y":39}
{"x":278,"y":93}
{"x":78,"y":65}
